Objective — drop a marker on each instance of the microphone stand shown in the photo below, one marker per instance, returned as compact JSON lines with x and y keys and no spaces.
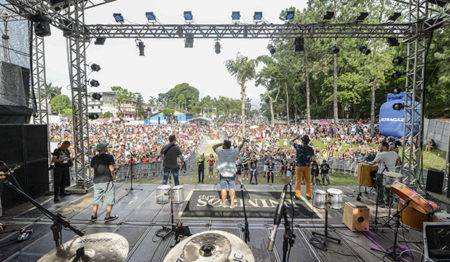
{"x":245,"y":229}
{"x":131,"y":177}
{"x":325,"y":236}
{"x":289,"y":236}
{"x":58,"y":220}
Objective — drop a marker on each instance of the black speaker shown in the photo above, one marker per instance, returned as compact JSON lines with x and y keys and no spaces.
{"x":435,"y":180}
{"x":299,"y":44}
{"x":42,"y":28}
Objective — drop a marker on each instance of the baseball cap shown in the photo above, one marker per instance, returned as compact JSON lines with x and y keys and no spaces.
{"x":101,"y":146}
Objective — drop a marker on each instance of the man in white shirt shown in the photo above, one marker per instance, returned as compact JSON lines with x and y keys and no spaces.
{"x":226,"y":166}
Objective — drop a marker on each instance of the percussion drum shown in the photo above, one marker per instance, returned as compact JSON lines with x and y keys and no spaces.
{"x":319,"y":198}
{"x":412,"y":218}
{"x":178,"y":194}
{"x":390,"y":178}
{"x":336,"y":198}
{"x":102,"y":247}
{"x":211,"y":246}
{"x":364,"y":177}
{"x":162,"y":194}
{"x":417,"y":201}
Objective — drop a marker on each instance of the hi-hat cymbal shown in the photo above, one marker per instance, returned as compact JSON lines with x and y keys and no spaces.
{"x":96,"y":247}
{"x":211,"y":246}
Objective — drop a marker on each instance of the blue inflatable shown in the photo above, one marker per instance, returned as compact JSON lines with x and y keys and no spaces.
{"x":392,"y":121}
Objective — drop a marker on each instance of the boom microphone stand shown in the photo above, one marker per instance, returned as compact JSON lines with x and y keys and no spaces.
{"x":58,"y":220}
{"x":245,"y":229}
{"x":131,"y":176}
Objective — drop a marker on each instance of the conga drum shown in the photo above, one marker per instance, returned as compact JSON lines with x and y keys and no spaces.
{"x":412,"y":218}
{"x":364,"y":171}
{"x":417,"y":201}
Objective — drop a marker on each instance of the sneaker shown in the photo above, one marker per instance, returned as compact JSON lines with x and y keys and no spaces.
{"x":111,"y":218}
{"x":93,"y":219}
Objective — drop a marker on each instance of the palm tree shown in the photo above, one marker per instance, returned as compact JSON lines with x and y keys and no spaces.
{"x":243,"y":69}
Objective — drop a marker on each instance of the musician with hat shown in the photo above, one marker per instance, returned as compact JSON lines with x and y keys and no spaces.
{"x":305,"y":155}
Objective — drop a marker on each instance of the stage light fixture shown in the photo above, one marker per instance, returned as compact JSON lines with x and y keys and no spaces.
{"x":396,"y":91}
{"x":95,"y":67}
{"x":392,"y":41}
{"x":118,"y":17}
{"x":235,"y":15}
{"x":364,"y":49}
{"x":96,"y":96}
{"x":99,"y":41}
{"x":141,"y":47}
{"x":362,"y":16}
{"x":440,"y":3}
{"x":398,"y":106}
{"x":397,"y":60}
{"x":189,"y":41}
{"x":394,"y":16}
{"x":42,"y":28}
{"x":93,"y":116}
{"x":188,"y":16}
{"x":94,"y":83}
{"x":289,"y":15}
{"x":397,"y":74}
{"x":328,"y":15}
{"x":299,"y":44}
{"x":271,"y":49}
{"x":217,"y":47}
{"x":150,"y":16}
{"x":258,"y":16}
{"x":334,"y":49}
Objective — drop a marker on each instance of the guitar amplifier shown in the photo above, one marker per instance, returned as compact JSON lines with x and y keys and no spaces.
{"x":435,"y":180}
{"x":356,"y":216}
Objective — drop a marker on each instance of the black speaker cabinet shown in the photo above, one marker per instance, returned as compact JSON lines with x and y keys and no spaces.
{"x":435,"y":180}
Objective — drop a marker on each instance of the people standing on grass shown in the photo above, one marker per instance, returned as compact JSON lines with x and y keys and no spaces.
{"x":270,"y":173}
{"x":324,"y":169}
{"x":315,"y":173}
{"x":201,"y":168}
{"x":211,"y":162}
{"x":254,"y":170}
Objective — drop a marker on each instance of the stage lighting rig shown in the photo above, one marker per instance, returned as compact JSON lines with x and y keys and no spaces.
{"x":189,"y":41}
{"x":151,"y":17}
{"x":217,"y":47}
{"x":289,"y":15}
{"x":328,"y":15}
{"x":271,"y":49}
{"x":397,"y":74}
{"x":398,"y":106}
{"x":96,"y":96}
{"x":188,"y":16}
{"x":93,"y":116}
{"x":396,"y":91}
{"x":99,"y":41}
{"x":141,"y":47}
{"x":41,"y":25}
{"x":392,"y":41}
{"x":94,"y":83}
{"x":258,"y":16}
{"x":361,"y":17}
{"x":118,"y":17}
{"x":235,"y":15}
{"x":334,"y":49}
{"x":394,"y":16}
{"x":397,"y":60}
{"x":95,"y":67}
{"x":364,"y":50}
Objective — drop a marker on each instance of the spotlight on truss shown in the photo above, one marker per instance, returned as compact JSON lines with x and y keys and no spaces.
{"x":99,"y":41}
{"x":96,"y":96}
{"x":328,"y":15}
{"x":258,"y":16}
{"x":397,"y":74}
{"x":188,"y":16}
{"x":398,"y":106}
{"x":299,"y":44}
{"x":94,"y":83}
{"x":217,"y":47}
{"x":396,"y":91}
{"x":289,"y":15}
{"x":394,"y":16}
{"x":141,"y":47}
{"x":93,"y":116}
{"x":334,"y":49}
{"x":362,"y":16}
{"x":95,"y":67}
{"x":364,"y":49}
{"x":271,"y":49}
{"x":392,"y":41}
{"x":118,"y":17}
{"x":150,"y":16}
{"x":189,"y":41}
{"x":397,"y":60}
{"x":235,"y":15}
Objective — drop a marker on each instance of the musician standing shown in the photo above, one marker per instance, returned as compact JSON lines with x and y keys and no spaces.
{"x":305,"y":155}
{"x":61,"y":173}
{"x":386,"y":161}
{"x":170,"y":154}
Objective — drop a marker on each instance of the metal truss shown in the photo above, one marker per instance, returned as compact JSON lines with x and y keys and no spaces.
{"x":39,"y":80}
{"x":319,"y":30}
{"x":78,"y":82}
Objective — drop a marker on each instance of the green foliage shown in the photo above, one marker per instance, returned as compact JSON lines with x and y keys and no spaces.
{"x":67,"y":111}
{"x":59,"y":103}
{"x":122,"y":94}
{"x":51,"y":91}
{"x":168,"y":112}
{"x":107,"y":114}
{"x":190,"y":96}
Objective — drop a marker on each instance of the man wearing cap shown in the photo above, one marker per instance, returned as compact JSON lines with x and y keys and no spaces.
{"x":170,"y":154}
{"x":324,"y":169}
{"x":61,"y":173}
{"x":305,"y":154}
{"x":103,"y":164}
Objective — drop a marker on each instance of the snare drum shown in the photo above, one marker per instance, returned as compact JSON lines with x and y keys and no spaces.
{"x":412,"y":218}
{"x":364,"y":171}
{"x":178,"y":194}
{"x":319,"y":198}
{"x":162,"y":194}
{"x":390,"y":178}
{"x":336,"y":198}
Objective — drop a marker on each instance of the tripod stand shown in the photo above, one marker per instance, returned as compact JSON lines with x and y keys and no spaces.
{"x":58,"y":220}
{"x":325,"y":236}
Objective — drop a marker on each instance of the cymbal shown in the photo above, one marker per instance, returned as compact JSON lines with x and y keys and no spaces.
{"x":211,"y":246}
{"x":393,"y":174}
{"x":97,"y":247}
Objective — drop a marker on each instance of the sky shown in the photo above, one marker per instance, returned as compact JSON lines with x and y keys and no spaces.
{"x":166,"y":62}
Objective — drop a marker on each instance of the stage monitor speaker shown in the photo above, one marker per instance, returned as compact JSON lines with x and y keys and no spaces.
{"x":435,"y":180}
{"x":356,"y":216}
{"x":436,"y":241}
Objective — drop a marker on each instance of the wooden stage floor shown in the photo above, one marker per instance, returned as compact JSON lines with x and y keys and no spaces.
{"x":140,"y":217}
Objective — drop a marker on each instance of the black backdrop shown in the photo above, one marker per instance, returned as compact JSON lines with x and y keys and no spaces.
{"x":25,"y":145}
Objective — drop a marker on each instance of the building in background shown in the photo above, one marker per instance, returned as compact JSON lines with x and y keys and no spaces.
{"x":178,"y":118}
{"x":105,"y":104}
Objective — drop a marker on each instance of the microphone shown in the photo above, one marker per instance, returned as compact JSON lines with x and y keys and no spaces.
{"x":276,"y":221}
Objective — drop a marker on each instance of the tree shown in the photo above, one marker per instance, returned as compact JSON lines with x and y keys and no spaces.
{"x":51,"y":91}
{"x":122,"y":94}
{"x":106,"y":114}
{"x":139,"y":106}
{"x":243,"y":69}
{"x":190,"y":93}
{"x":181,"y":99}
{"x":59,"y":103}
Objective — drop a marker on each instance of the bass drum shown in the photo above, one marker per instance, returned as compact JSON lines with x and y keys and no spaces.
{"x":412,"y":218}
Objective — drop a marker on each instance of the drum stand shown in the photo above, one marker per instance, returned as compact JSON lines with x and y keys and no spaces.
{"x":393,"y":253}
{"x":325,"y":236}
{"x":58,"y":220}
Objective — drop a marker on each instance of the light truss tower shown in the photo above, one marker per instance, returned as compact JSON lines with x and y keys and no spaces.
{"x":76,"y":42}
{"x":39,"y":80}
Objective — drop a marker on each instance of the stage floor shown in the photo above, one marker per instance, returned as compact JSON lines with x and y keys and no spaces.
{"x":140,"y":217}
